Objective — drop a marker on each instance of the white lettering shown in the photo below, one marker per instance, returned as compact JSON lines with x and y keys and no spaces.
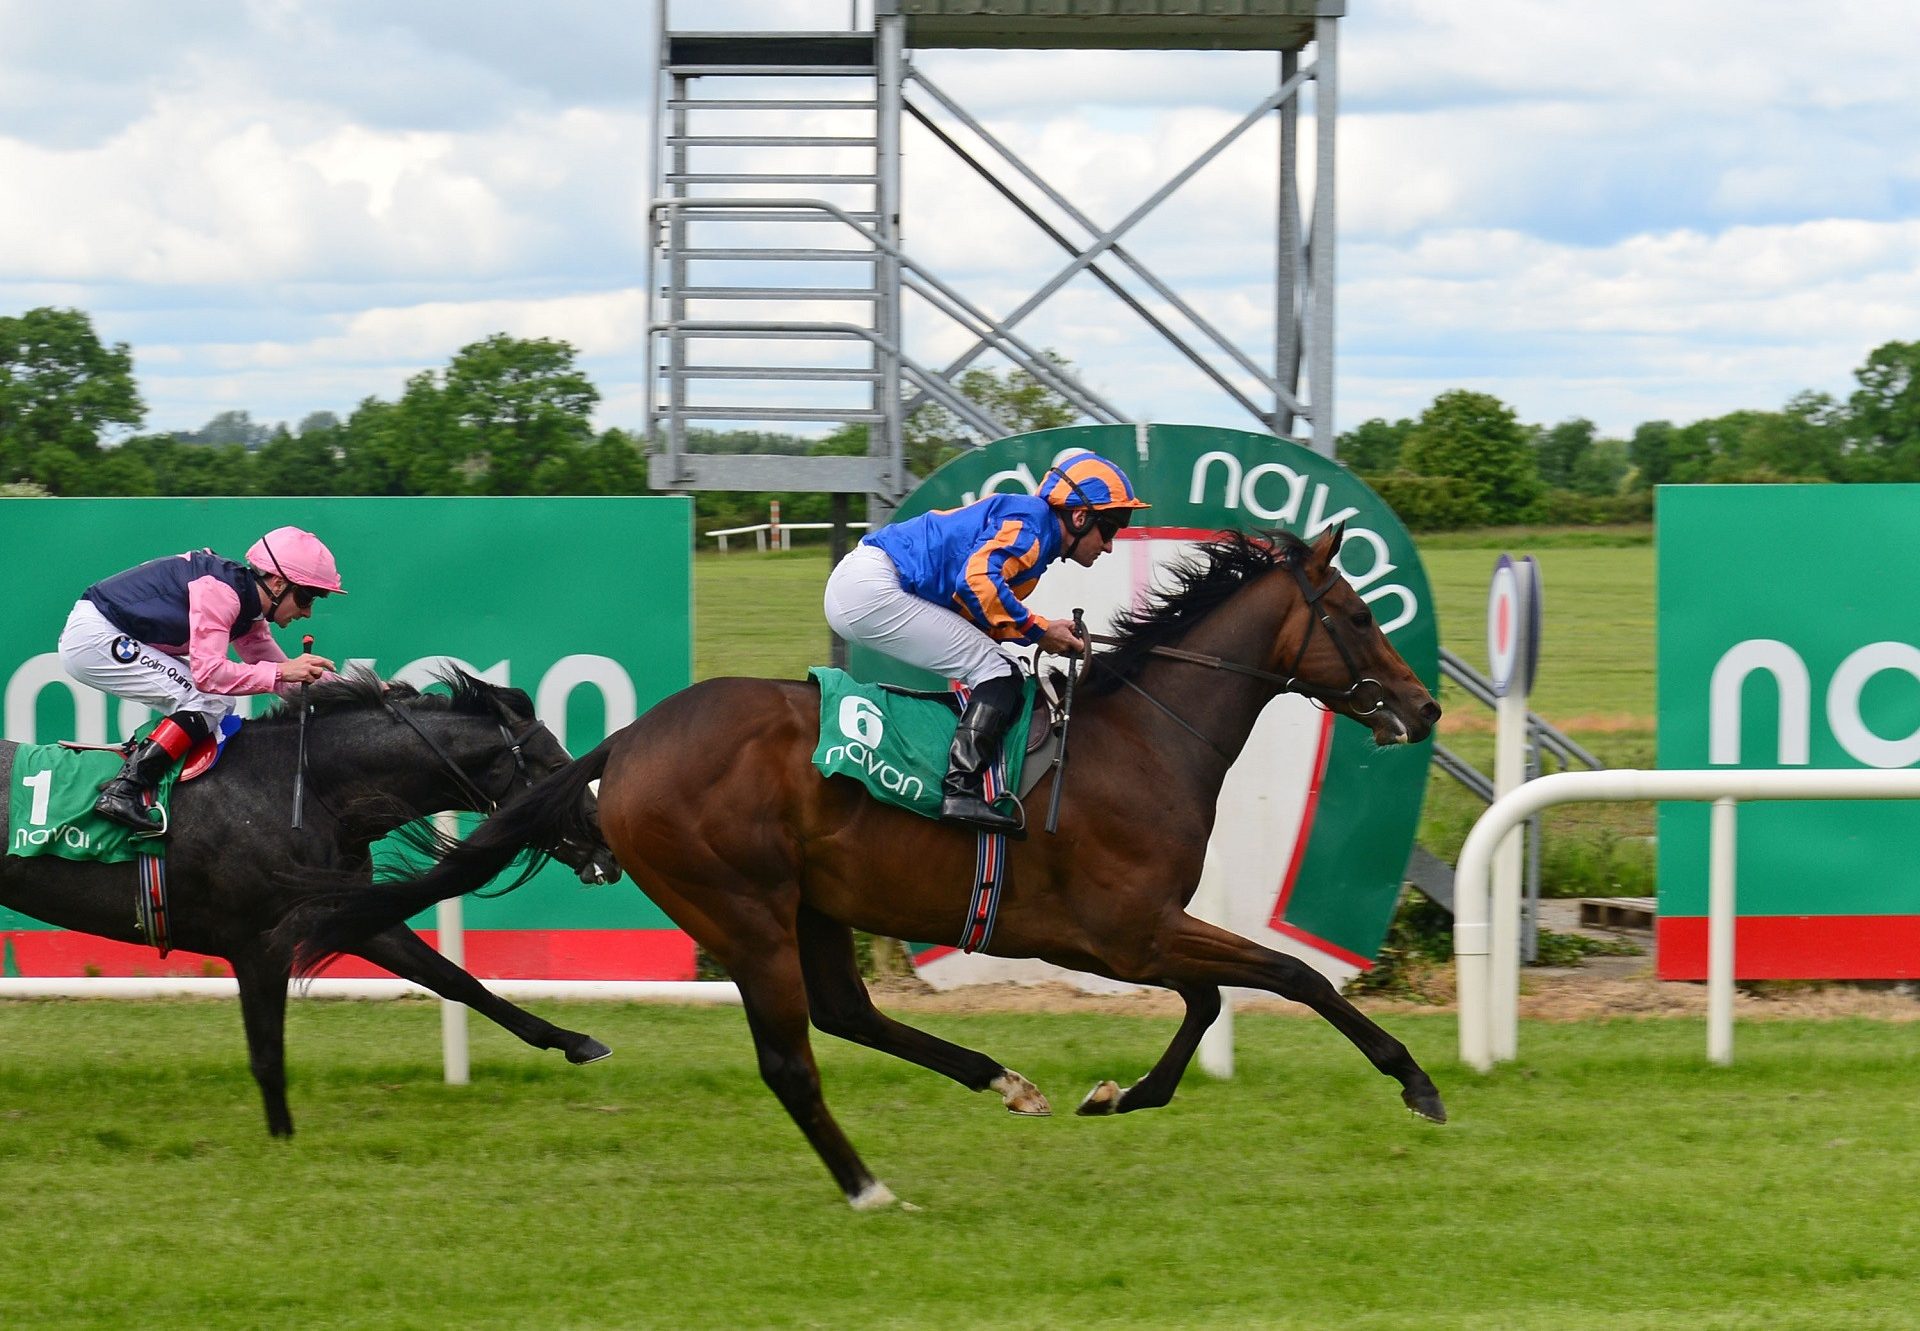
{"x":860,"y":720}
{"x":1843,"y":704}
{"x":617,"y":694}
{"x":1723,"y":700}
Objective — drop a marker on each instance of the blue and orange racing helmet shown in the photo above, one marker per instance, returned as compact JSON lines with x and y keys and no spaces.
{"x":1087,"y":480}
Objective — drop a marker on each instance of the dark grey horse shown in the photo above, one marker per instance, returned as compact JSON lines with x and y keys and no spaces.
{"x":368,"y":773}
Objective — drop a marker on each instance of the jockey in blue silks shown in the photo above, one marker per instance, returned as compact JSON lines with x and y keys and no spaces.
{"x":942,"y":590}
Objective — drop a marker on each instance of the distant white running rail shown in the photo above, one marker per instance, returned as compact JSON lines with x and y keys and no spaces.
{"x":1489,"y":977}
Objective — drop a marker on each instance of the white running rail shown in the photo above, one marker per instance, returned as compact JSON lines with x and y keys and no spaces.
{"x":1489,"y":984}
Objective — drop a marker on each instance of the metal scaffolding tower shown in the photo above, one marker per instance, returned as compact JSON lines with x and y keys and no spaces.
{"x":777,"y":273}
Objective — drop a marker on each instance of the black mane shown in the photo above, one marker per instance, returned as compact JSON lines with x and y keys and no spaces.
{"x":360,"y":690}
{"x":1201,"y":583}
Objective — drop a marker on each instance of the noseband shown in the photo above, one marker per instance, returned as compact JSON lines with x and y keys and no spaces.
{"x":1290,"y":682}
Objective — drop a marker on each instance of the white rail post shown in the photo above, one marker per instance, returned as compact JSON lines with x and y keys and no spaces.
{"x":451,"y":927}
{"x":1216,"y":1042}
{"x":1509,"y":774}
{"x":1721,"y":862}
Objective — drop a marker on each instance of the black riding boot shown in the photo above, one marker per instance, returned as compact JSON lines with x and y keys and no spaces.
{"x":120,"y":799}
{"x":976,"y":743}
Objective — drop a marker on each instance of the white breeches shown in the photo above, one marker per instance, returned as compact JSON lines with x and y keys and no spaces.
{"x":96,"y":652}
{"x":865,"y":603}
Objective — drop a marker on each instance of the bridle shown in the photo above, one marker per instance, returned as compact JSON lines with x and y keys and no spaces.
{"x":465,"y":784}
{"x":1289,"y":682}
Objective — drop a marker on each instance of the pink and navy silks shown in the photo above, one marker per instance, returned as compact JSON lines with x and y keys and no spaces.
{"x":194,"y":606}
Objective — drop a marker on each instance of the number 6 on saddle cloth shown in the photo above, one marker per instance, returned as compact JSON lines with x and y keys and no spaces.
{"x":895,"y":741}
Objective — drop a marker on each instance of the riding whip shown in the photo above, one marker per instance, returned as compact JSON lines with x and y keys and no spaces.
{"x":300,"y":763}
{"x":1066,"y":719}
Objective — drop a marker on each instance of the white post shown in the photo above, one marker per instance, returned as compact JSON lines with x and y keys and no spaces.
{"x":1472,"y":897}
{"x":1216,"y":1042}
{"x":453,"y":946}
{"x":1509,"y":774}
{"x":1721,"y":859}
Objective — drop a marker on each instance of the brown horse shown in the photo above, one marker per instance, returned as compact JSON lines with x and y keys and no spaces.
{"x":712,"y":803}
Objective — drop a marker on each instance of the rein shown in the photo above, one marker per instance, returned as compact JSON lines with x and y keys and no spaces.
{"x":1287,"y":683}
{"x":480,"y":798}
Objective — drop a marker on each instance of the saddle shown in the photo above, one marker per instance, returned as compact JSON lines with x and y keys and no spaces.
{"x":1043,"y":731}
{"x":199,"y":760}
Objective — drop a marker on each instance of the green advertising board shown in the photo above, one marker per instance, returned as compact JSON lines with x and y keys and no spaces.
{"x":1787,"y":640}
{"x":1316,"y":823}
{"x":583,"y":603}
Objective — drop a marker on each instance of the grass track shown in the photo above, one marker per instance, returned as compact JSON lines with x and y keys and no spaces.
{"x":1611,"y":1181}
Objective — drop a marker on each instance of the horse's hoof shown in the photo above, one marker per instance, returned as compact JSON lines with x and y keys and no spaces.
{"x":1425,"y":1103}
{"x":876,"y":1196}
{"x":1102,"y":1100}
{"x":589,"y":1050}
{"x":1020,"y":1095}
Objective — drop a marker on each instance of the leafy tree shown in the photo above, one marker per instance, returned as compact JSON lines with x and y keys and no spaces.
{"x":228,"y":427}
{"x":522,"y":409}
{"x":59,"y":386}
{"x":1601,"y":469}
{"x":307,"y":464}
{"x":1884,"y":412}
{"x":1559,"y":450}
{"x":193,"y":469}
{"x":1373,"y":446}
{"x":1651,"y":450}
{"x":407,"y":447}
{"x":1475,"y":438}
{"x":1017,"y":400}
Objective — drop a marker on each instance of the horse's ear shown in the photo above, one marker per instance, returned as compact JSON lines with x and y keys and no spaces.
{"x":1330,"y":542}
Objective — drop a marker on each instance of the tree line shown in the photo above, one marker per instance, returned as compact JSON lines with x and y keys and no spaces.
{"x":510,"y":416}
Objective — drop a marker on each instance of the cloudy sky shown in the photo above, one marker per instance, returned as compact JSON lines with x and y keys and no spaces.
{"x":1627,"y":211}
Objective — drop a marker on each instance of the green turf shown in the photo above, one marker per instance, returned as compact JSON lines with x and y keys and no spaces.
{"x":1611,"y":1180}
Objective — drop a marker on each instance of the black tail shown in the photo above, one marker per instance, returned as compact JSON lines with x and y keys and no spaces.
{"x":552,"y":810}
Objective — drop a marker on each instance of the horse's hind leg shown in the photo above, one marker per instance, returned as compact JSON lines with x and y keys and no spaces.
{"x":407,"y":955}
{"x":1192,"y":952}
{"x":839,"y":1003}
{"x":1156,"y":1088}
{"x":263,"y":1009}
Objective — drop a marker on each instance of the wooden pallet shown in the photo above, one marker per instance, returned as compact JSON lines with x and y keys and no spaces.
{"x":1619,"y":913}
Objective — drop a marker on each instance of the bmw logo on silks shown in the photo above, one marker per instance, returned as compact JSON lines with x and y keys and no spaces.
{"x":125,"y":650}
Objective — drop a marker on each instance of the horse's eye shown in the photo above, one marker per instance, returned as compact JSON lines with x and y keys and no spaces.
{"x":1362,"y":619}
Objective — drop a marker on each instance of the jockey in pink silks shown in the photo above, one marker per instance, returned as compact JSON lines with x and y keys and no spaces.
{"x":159,"y":634}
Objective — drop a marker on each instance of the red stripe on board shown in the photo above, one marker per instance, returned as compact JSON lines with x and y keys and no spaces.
{"x":1334,"y":950}
{"x":1796,"y":947}
{"x":1168,"y":534}
{"x":1305,"y":834}
{"x":492,"y":954}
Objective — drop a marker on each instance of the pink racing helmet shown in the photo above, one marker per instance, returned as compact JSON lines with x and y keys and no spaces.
{"x":299,"y":557}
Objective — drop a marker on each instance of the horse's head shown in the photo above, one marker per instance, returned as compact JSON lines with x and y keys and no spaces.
{"x":1334,"y":652}
{"x":492,"y":748}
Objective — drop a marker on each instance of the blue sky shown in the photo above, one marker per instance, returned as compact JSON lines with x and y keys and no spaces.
{"x":1617,"y":211}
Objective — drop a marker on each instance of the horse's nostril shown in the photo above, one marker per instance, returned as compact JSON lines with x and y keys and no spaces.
{"x":1431,"y":712}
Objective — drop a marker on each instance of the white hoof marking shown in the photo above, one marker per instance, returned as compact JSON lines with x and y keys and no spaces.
{"x":874,"y":1197}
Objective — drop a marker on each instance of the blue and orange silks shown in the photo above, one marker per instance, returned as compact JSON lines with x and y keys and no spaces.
{"x":982,"y":560}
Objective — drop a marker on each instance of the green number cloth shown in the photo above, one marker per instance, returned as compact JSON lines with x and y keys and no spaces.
{"x":50,"y":806}
{"x":896,"y":746}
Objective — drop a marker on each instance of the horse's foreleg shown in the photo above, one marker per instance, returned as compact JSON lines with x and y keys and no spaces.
{"x":1156,"y":1088}
{"x":774,"y":994}
{"x":263,"y":1009}
{"x":407,"y":955}
{"x":1191,"y":951}
{"x":840,"y":1005}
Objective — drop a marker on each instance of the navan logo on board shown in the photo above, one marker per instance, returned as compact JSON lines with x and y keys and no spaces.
{"x":1793,"y":686}
{"x":551,"y":693}
{"x":1219,"y":486}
